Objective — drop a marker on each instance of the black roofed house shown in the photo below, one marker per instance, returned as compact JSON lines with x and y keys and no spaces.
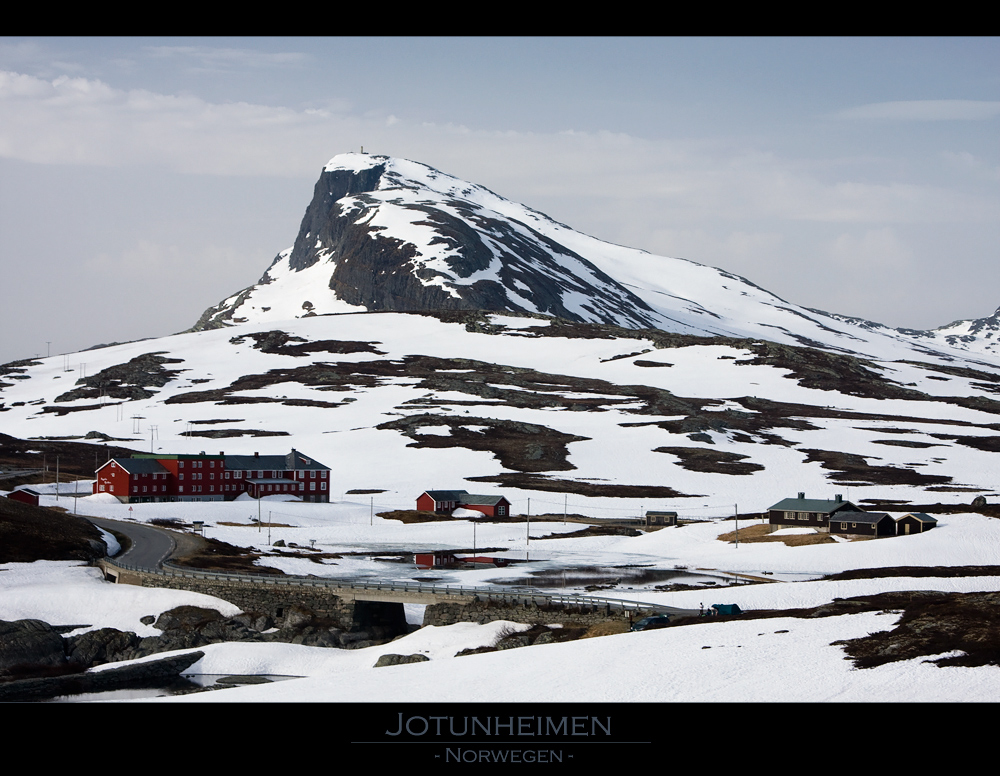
{"x":805,"y":512}
{"x":862,"y":524}
{"x":444,"y":502}
{"x":914,"y":522}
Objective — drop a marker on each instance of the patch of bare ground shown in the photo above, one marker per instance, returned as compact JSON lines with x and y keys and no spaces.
{"x":525,"y":447}
{"x":935,"y":624}
{"x":987,"y":510}
{"x":580,"y":488}
{"x":704,"y":459}
{"x":609,"y":628}
{"x":593,"y":530}
{"x":762,"y":533}
{"x":255,"y":525}
{"x":126,"y":381}
{"x":76,"y":459}
{"x":849,"y":468}
{"x":278,"y":342}
{"x":917,"y":571}
{"x":227,"y":433}
{"x":214,"y":555}
{"x":29,"y":533}
{"x":408,"y":516}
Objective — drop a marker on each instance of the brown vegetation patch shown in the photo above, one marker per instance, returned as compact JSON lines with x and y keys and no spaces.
{"x":904,"y":443}
{"x":593,"y":530}
{"x":933,"y":624}
{"x":126,"y":381}
{"x":227,"y":433}
{"x":917,"y":571}
{"x":762,"y":533}
{"x":29,"y":533}
{"x":704,"y":459}
{"x":850,"y":468}
{"x":408,"y":516}
{"x":609,"y":628}
{"x":214,"y":555}
{"x":526,"y":447}
{"x":76,"y":459}
{"x":554,"y":485}
{"x":277,"y":342}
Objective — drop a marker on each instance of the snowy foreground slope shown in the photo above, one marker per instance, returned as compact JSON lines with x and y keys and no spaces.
{"x":785,"y":659}
{"x":383,"y":233}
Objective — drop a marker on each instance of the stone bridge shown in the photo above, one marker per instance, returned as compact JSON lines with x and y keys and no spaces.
{"x":356,"y":604}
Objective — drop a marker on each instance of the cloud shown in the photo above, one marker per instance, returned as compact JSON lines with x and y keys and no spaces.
{"x":924,"y":110}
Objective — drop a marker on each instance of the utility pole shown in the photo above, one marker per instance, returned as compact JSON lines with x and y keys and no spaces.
{"x":736,"y":511}
{"x":527,"y":537}
{"x":57,"y":478}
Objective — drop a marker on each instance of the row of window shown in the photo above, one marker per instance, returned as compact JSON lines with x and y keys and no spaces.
{"x":211,"y":488}
{"x":236,"y":475}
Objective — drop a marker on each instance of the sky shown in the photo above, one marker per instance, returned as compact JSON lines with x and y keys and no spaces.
{"x":143,"y":180}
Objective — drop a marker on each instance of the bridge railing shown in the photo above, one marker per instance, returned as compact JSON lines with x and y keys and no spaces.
{"x":528,"y":596}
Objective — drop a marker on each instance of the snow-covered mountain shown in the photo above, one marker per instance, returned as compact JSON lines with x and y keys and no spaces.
{"x":387,"y":234}
{"x":424,"y":332}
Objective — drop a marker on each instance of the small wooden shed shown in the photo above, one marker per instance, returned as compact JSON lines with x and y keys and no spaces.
{"x":25,"y":496}
{"x":661,"y":518}
{"x":914,"y":522}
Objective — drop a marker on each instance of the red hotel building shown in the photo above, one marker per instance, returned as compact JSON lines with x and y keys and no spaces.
{"x":202,"y":477}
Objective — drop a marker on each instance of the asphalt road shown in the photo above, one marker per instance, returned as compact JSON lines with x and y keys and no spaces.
{"x":150,"y":545}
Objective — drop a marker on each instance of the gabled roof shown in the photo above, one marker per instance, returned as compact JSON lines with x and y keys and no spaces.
{"x":447,"y":495}
{"x":280,"y":463}
{"x":139,"y":465}
{"x":923,"y":517}
{"x":821,"y":505}
{"x":860,"y":517}
{"x":483,"y":501}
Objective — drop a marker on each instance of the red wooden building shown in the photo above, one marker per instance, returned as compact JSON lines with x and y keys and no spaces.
{"x":25,"y":496}
{"x":202,"y":477}
{"x":444,"y":502}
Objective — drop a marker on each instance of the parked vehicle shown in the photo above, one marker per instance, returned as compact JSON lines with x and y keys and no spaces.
{"x":651,"y":623}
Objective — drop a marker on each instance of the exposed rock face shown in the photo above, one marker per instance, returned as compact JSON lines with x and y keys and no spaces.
{"x":453,"y":252}
{"x":151,"y":674}
{"x":398,"y":660}
{"x":29,"y":645}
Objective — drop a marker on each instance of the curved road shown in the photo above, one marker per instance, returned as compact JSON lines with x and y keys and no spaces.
{"x":151,"y":546}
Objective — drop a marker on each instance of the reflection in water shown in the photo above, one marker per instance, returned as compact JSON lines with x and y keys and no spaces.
{"x":184,"y":685}
{"x":590,"y":578}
